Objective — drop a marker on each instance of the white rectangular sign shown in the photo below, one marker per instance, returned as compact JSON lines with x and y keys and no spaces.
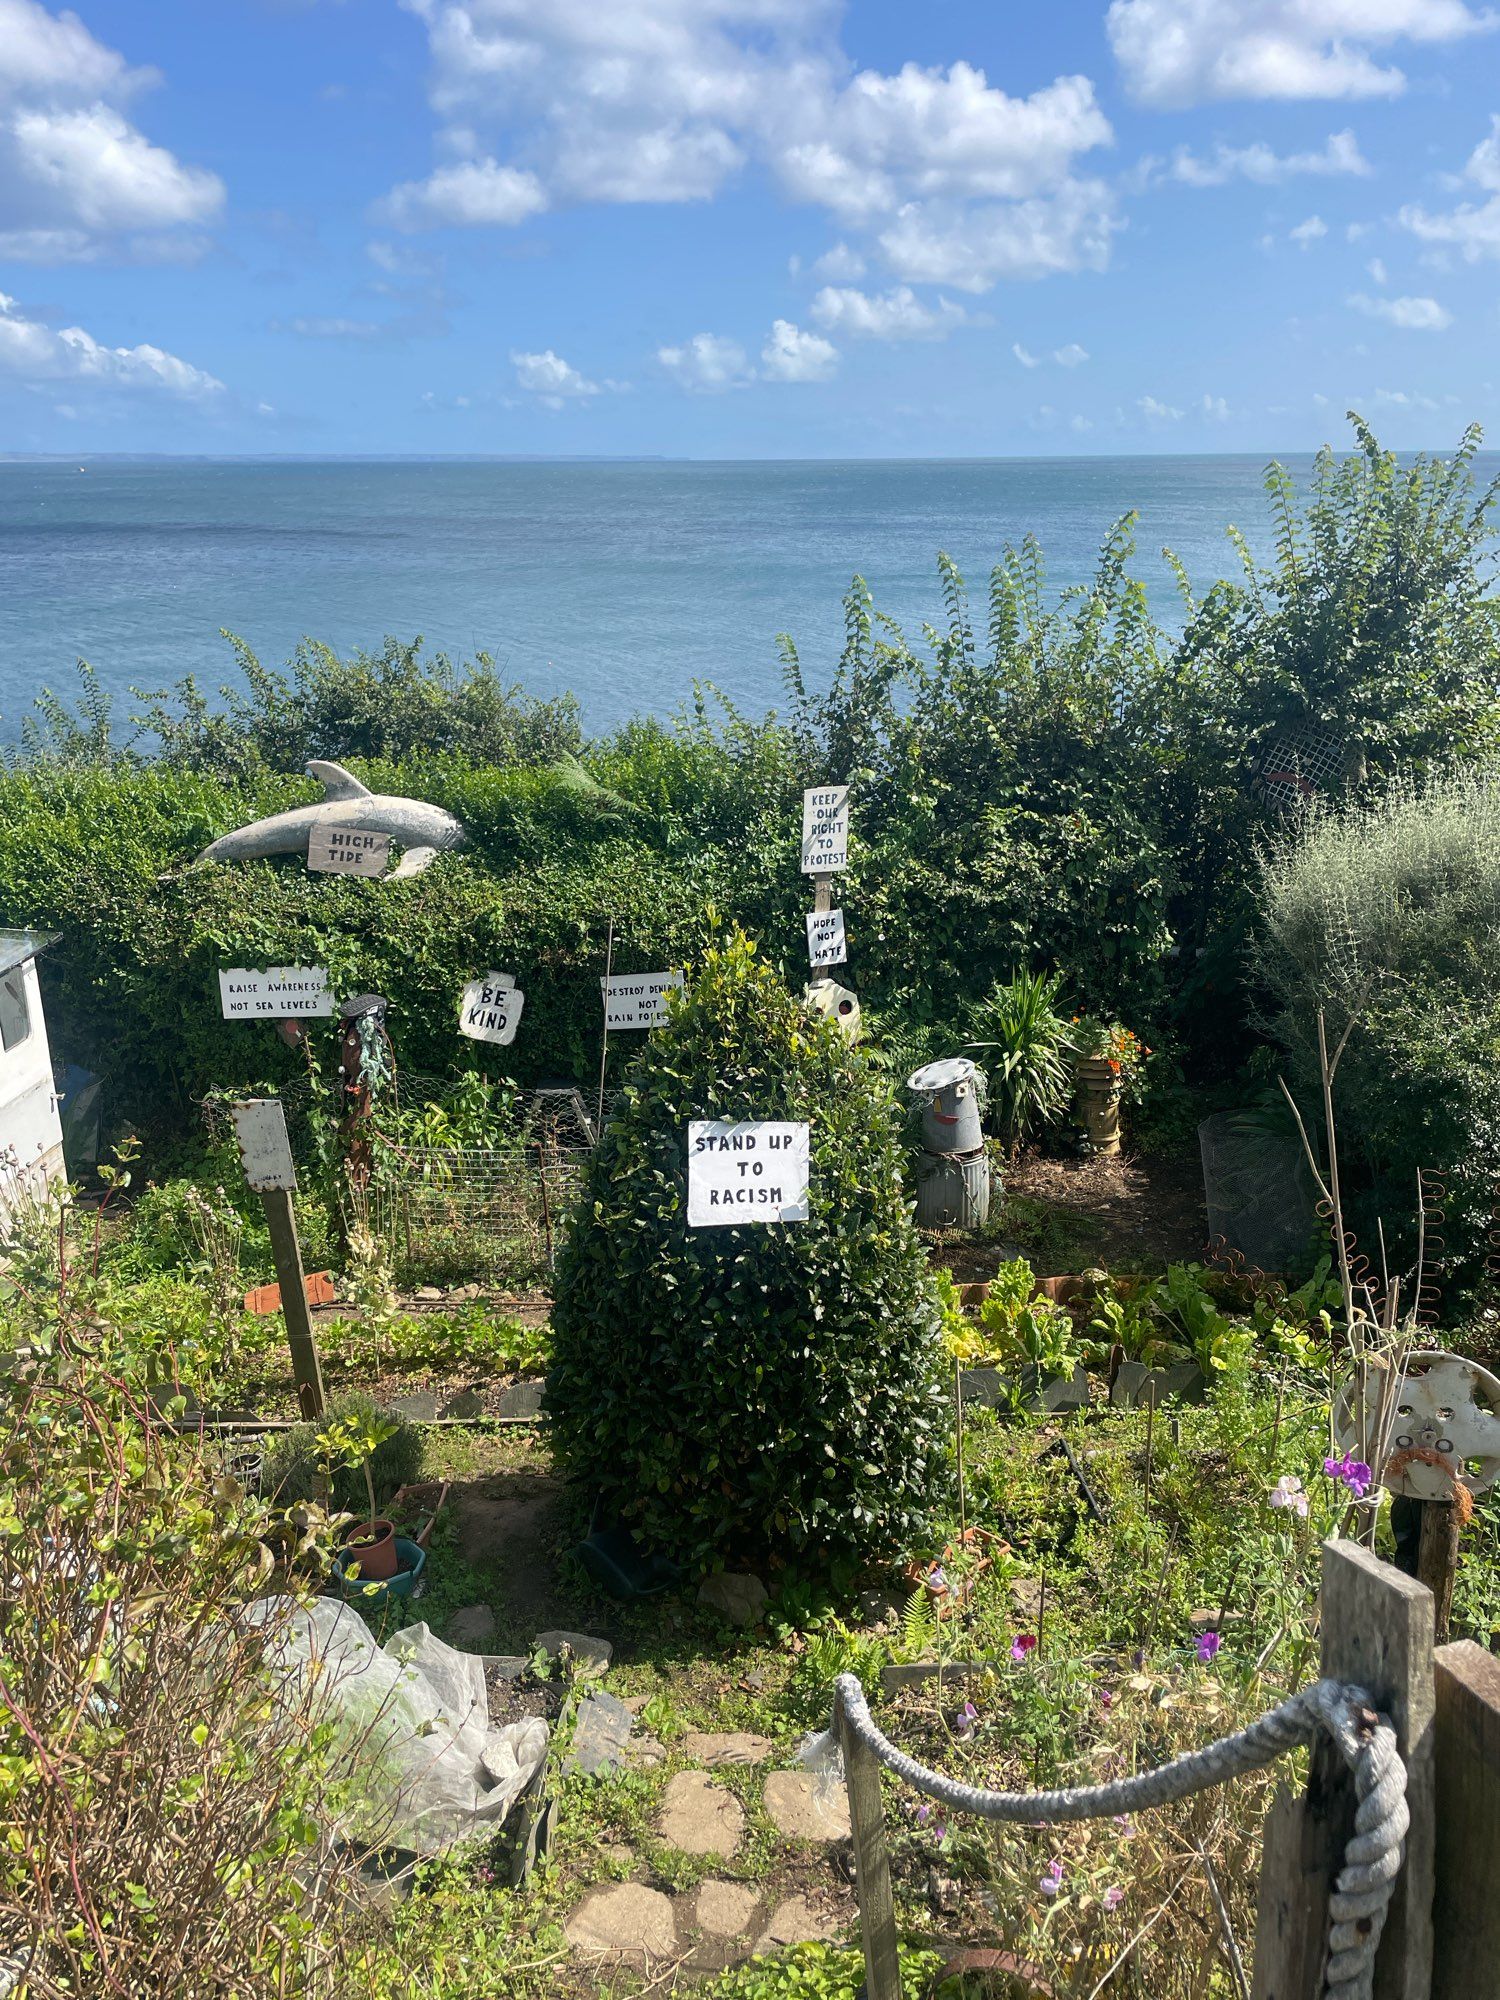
{"x":280,"y":993}
{"x":755,"y":1171}
{"x":825,"y":937}
{"x":490,"y":1010}
{"x":638,"y":999}
{"x":260,"y":1129}
{"x":825,"y":830}
{"x":347,"y":850}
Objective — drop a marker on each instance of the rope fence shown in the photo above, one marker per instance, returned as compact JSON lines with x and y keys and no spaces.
{"x":1364,"y":1739}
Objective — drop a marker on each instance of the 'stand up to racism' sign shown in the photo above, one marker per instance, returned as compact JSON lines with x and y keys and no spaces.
{"x":825,"y":937}
{"x":281,"y":993}
{"x":825,"y":830}
{"x":755,"y":1171}
{"x":638,"y":999}
{"x":490,"y":1010}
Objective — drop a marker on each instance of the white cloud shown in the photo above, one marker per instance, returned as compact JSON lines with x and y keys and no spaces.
{"x":317,"y":328}
{"x":709,"y":361}
{"x":972,"y":247}
{"x":893,"y":315}
{"x":550,"y":379}
{"x":1026,"y":359}
{"x":1259,"y":163}
{"x":791,"y":355}
{"x":1215,"y":409}
{"x":1182,"y":52}
{"x":473,"y":194}
{"x":78,"y":180}
{"x":1412,"y":315}
{"x":1070,"y":356}
{"x":1377,"y":270}
{"x":1306,"y":234}
{"x":1473,"y":228}
{"x":1080,"y":423}
{"x":840,"y":266}
{"x":1157,"y":413}
{"x":666,"y":100}
{"x":34,"y":352}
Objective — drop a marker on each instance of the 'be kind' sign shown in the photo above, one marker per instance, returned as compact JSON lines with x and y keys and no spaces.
{"x":754,"y":1171}
{"x":490,"y":1010}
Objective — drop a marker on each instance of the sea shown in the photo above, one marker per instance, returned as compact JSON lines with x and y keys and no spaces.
{"x":622,"y":582}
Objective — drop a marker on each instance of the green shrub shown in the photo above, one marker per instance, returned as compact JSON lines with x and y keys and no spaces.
{"x":1388,"y":918}
{"x":292,"y":1462}
{"x":1023,"y":1048}
{"x":1026,"y":1331}
{"x":732,"y":1392}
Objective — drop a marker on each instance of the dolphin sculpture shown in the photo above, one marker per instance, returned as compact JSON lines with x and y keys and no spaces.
{"x":423,"y":831}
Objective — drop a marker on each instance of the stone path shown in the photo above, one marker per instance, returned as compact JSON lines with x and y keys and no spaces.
{"x":720,"y":1920}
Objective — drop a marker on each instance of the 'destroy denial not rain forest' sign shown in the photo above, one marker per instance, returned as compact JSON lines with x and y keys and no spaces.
{"x":638,"y":999}
{"x":752,"y":1171}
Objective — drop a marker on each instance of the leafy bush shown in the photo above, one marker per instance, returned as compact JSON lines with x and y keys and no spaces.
{"x":293,"y":1459}
{"x":169,"y":1810}
{"x":732,"y":1392}
{"x":1387,"y":917}
{"x":1024,"y":1330}
{"x":1023,"y":1044}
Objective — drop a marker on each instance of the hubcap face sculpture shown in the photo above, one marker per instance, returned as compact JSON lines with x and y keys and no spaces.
{"x":1441,"y":1404}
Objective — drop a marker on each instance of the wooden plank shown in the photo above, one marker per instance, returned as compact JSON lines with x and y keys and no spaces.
{"x":286,"y":1254}
{"x":1437,"y":1559}
{"x":872,"y":1866}
{"x":1466,"y":1911}
{"x":1376,"y":1630}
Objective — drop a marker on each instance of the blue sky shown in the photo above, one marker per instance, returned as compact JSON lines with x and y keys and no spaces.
{"x":746,"y":227}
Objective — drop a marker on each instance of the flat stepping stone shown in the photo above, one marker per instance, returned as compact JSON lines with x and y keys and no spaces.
{"x":724,"y":1909}
{"x":626,"y":1920}
{"x":602,"y":1734}
{"x":590,"y":1656}
{"x":700,"y":1817}
{"x":710,"y":1747}
{"x":795,"y":1922}
{"x":806,"y":1806}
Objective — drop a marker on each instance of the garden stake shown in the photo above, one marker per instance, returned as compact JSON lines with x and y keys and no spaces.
{"x":958,"y":1421}
{"x":541,"y":1159}
{"x":1150,"y":1439}
{"x":609,"y":966}
{"x":1276,"y":1427}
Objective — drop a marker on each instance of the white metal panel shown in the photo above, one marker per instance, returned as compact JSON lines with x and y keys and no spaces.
{"x":30,"y":1129}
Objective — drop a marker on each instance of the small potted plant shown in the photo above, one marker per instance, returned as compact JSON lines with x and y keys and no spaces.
{"x":352,"y":1440}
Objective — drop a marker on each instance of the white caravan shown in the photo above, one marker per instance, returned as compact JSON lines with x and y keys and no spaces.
{"x":31,"y":1148}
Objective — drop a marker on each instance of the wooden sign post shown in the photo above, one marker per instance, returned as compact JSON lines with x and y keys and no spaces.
{"x":260,"y":1131}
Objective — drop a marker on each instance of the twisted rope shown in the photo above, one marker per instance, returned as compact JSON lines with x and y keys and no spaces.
{"x":1366,"y":1742}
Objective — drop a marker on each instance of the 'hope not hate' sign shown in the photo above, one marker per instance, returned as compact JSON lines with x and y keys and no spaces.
{"x":825,"y":830}
{"x":752,"y":1171}
{"x":825,"y":937}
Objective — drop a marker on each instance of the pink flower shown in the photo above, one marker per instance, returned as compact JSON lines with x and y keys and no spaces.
{"x":1208,"y":1645}
{"x":1022,"y":1644}
{"x":1113,"y":1897}
{"x":1051,"y":1880}
{"x":1288,"y":1493}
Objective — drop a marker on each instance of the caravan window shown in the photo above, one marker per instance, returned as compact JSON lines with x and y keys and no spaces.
{"x":15,"y":1015}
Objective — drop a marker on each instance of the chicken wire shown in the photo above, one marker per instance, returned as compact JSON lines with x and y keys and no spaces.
{"x":474,"y":1211}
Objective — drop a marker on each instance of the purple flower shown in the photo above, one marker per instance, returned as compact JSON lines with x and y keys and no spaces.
{"x":1288,"y":1493}
{"x":1106,"y":1698}
{"x":1051,"y":1880}
{"x":1022,"y":1644}
{"x":1208,"y":1645}
{"x":1113,"y":1898}
{"x":937,"y":1577}
{"x":924,"y":1813}
{"x":940,"y":1832}
{"x":1126,"y":1825}
{"x":1351,"y":1472}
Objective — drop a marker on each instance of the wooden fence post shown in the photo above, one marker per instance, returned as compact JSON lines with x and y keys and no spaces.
{"x":1376,"y":1629}
{"x":1466,"y":1909}
{"x":872,"y":1865}
{"x":286,"y":1253}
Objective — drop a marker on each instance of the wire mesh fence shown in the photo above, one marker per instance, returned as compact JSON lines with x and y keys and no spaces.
{"x":461,"y":1212}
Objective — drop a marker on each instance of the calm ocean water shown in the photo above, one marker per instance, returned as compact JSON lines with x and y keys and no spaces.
{"x":623,"y":582}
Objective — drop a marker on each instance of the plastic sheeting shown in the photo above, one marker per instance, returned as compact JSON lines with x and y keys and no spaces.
{"x":430,"y":1766}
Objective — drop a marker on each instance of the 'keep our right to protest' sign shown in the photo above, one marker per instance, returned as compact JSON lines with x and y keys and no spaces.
{"x":825,"y":830}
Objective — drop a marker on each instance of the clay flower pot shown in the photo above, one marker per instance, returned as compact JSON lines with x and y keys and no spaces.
{"x":1099,"y":1086}
{"x":372,"y":1544}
